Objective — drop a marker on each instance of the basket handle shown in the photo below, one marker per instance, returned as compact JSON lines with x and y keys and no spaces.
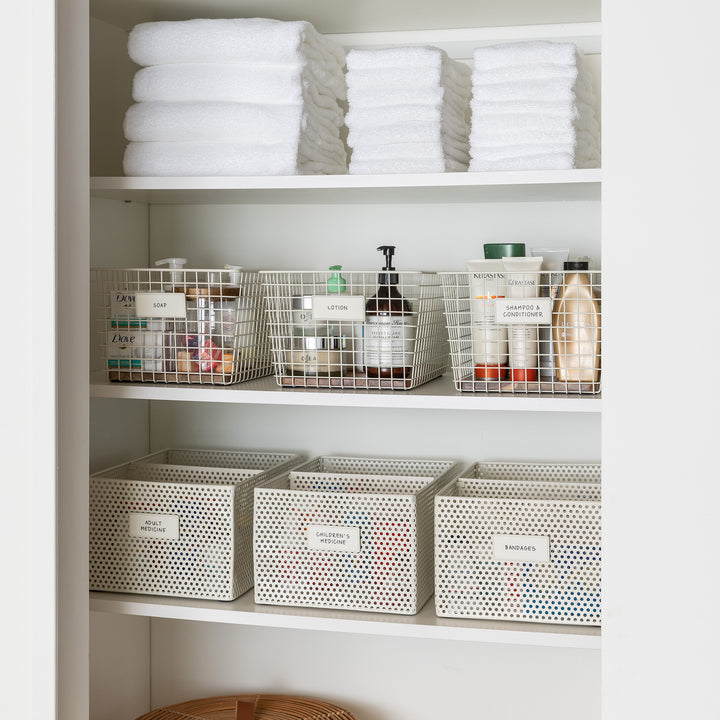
{"x":245,"y":709}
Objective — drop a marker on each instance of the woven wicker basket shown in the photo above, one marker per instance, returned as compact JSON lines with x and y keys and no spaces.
{"x":250,"y":707}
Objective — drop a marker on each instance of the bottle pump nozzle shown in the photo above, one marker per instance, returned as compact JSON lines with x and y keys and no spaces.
{"x":336,"y":282}
{"x":388,"y":277}
{"x":173,"y":263}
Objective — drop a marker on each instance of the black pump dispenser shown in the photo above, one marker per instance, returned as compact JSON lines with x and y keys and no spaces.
{"x":388,"y":277}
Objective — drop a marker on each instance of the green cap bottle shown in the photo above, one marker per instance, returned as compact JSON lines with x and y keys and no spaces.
{"x":498,"y":251}
{"x":336,"y":282}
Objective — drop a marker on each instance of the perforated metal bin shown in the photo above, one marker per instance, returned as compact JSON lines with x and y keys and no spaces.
{"x":178,"y":522}
{"x":520,"y":542}
{"x":181,"y":326}
{"x":348,"y":533}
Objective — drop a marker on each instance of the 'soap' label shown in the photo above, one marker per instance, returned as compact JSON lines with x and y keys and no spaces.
{"x":155,"y":526}
{"x":333,"y":538}
{"x":523,"y":311}
{"x":521,"y":548}
{"x":166,"y":305}
{"x":339,"y":306}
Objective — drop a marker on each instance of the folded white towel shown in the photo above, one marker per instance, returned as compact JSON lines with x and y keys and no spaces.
{"x":404,"y":151}
{"x":532,"y":107}
{"x":259,"y":40}
{"x":418,"y":56}
{"x":550,"y":161}
{"x":230,"y":122}
{"x":529,"y":122}
{"x":528,"y":52}
{"x":409,"y":96}
{"x":409,"y":165}
{"x":396,"y":78}
{"x":416,"y":132}
{"x":214,"y":159}
{"x":517,"y":73}
{"x":366,"y":119}
{"x":578,"y":149}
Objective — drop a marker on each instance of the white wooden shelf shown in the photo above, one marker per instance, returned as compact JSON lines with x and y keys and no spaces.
{"x":439,"y":394}
{"x":425,"y":624}
{"x":527,"y":186}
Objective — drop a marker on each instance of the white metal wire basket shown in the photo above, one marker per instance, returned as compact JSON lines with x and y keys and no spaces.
{"x":348,"y":533}
{"x":182,"y":326}
{"x":519,"y":547}
{"x":178,"y":522}
{"x":352,"y":339}
{"x":540,"y":336}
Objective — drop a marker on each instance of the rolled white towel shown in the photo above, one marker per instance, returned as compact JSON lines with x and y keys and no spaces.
{"x":260,"y":40}
{"x":216,"y":159}
{"x":526,"y":52}
{"x":403,"y":151}
{"x":405,"y":165}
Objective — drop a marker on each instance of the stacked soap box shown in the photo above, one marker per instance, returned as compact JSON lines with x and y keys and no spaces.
{"x":349,"y":533}
{"x":178,"y":522}
{"x":174,"y":325}
{"x":516,"y":541}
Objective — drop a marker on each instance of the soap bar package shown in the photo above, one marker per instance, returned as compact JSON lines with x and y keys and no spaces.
{"x":349,"y":533}
{"x":518,"y":541}
{"x":178,"y":522}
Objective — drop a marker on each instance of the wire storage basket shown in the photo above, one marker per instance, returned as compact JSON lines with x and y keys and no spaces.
{"x":522,"y":545}
{"x":524,"y":333}
{"x":182,"y":326}
{"x":348,"y":533}
{"x":178,"y":522}
{"x":344,"y":330}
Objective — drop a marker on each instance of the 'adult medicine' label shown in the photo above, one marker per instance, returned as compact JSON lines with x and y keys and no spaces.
{"x":333,"y":538}
{"x":166,"y":305}
{"x":521,"y":548}
{"x":148,"y":525}
{"x":523,"y":311}
{"x":338,"y":307}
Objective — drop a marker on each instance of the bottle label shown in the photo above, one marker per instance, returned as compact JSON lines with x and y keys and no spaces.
{"x":333,"y":538}
{"x":389,"y":341}
{"x":341,"y":306}
{"x":166,"y":305}
{"x":521,"y":548}
{"x":524,"y":311}
{"x":147,"y":525}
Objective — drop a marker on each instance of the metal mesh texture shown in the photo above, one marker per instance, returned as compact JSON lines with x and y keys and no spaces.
{"x":392,"y":569}
{"x":394,"y":346}
{"x":547,"y":342}
{"x":472,"y":581}
{"x":206,"y":511}
{"x":216,"y":335}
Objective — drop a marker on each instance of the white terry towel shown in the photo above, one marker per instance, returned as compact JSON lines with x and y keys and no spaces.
{"x":360,"y":119}
{"x":414,"y":132}
{"x":393,"y":78}
{"x":548,"y":161}
{"x":406,"y":151}
{"x":259,"y":40}
{"x":529,"y":52}
{"x":236,"y":82}
{"x":579,"y":150}
{"x":230,"y":122}
{"x":215,"y":159}
{"x":406,"y":165}
{"x":518,"y":73}
{"x":553,"y":90}
{"x":409,"y":96}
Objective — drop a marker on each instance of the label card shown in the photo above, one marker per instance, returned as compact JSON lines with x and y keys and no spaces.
{"x":338,"y":307}
{"x":521,"y":548}
{"x":147,"y":525}
{"x":333,"y":538}
{"x":523,"y":311}
{"x":166,"y":305}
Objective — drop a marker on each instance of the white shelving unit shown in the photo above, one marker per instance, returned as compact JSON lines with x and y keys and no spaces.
{"x":437,"y":221}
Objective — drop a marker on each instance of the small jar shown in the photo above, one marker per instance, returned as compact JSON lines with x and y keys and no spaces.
{"x":314,"y":355}
{"x":302,"y":315}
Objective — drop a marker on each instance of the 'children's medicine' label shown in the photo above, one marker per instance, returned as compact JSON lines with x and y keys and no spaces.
{"x":519,"y":548}
{"x":523,"y":311}
{"x":339,"y":306}
{"x":167,"y":305}
{"x":333,"y":538}
{"x":154,"y":526}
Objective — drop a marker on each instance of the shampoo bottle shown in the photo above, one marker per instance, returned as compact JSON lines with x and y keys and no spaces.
{"x":576,"y":327}
{"x":389,"y":333}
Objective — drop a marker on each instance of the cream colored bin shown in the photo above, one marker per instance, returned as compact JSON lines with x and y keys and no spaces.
{"x":178,"y":522}
{"x":520,"y":542}
{"x":349,"y":533}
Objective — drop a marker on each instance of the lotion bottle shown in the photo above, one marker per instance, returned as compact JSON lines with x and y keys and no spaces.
{"x":388,"y":332}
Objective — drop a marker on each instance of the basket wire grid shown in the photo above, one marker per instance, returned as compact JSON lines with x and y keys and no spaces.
{"x":524,"y":333}
{"x":321,"y":338}
{"x":384,"y":506}
{"x":182,"y":530}
{"x":181,"y":326}
{"x":478,"y":519}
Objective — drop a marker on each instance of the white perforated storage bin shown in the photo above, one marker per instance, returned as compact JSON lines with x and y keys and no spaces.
{"x":523,"y":546}
{"x":349,"y":533}
{"x":178,"y":522}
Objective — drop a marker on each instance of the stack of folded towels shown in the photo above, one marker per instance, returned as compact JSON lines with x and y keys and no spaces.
{"x":249,"y":96}
{"x":408,"y":111}
{"x":533,"y":108}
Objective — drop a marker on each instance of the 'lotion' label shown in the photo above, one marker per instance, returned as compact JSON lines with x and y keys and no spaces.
{"x":523,"y":311}
{"x":155,"y":526}
{"x":166,"y":305}
{"x":521,"y":548}
{"x":339,"y":306}
{"x":333,"y":538}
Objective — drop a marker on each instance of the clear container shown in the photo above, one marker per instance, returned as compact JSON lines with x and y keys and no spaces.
{"x":314,"y":355}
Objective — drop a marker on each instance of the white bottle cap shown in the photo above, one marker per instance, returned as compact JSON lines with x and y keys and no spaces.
{"x":234,"y":273}
{"x":173,"y":263}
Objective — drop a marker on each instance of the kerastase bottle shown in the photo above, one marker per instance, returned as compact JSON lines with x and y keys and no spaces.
{"x":389,"y":331}
{"x":576,"y":327}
